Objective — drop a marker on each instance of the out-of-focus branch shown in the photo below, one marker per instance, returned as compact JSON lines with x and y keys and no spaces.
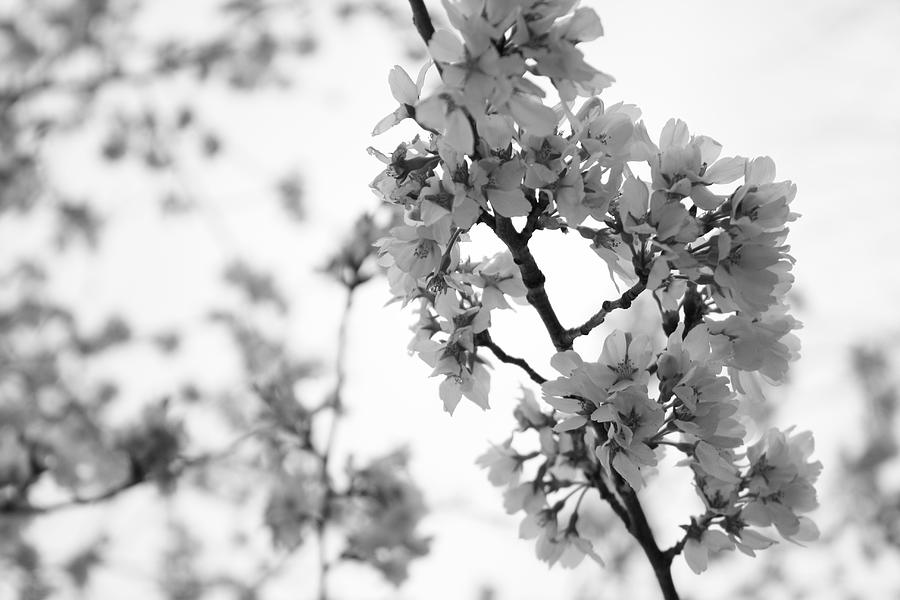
{"x":27,"y":510}
{"x":135,"y":478}
{"x":335,"y":403}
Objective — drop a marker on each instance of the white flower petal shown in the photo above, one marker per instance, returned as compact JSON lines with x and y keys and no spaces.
{"x":445,"y":47}
{"x":402,"y":87}
{"x":696,"y":556}
{"x":570,"y":424}
{"x":675,"y":134}
{"x":536,"y":118}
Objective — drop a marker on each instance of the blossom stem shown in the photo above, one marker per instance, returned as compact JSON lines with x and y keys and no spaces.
{"x":579,"y":487}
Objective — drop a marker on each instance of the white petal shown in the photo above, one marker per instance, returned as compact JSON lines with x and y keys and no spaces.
{"x":696,"y":556}
{"x":566,"y":362}
{"x":717,"y":541}
{"x":760,"y":170}
{"x":459,"y":133}
{"x":705,"y":199}
{"x":675,"y":134}
{"x":402,"y":87}
{"x":570,"y":424}
{"x":390,"y":120}
{"x":536,"y":118}
{"x":627,"y":469}
{"x":450,"y":394}
{"x":446,"y":47}
{"x":726,"y":170}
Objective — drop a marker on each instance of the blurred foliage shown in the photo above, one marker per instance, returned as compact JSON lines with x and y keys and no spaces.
{"x":872,"y":490}
{"x":70,"y":438}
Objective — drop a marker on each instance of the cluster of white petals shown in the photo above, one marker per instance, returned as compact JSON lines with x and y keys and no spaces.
{"x":706,"y":236}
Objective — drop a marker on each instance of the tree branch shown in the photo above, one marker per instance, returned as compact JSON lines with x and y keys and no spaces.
{"x":534,"y":279}
{"x":32,"y":510}
{"x":484,"y":339}
{"x":135,"y":478}
{"x":624,"y":301}
{"x":421,"y":20}
{"x":640,"y":530}
{"x":607,"y":494}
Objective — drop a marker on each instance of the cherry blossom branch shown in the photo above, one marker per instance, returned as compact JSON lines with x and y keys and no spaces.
{"x":534,"y":279}
{"x":629,"y":508}
{"x":484,"y":339}
{"x":517,"y":243}
{"x":532,"y":276}
{"x":422,"y":20}
{"x":624,"y":302}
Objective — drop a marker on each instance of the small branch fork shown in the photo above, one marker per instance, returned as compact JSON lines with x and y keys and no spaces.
{"x":624,"y":501}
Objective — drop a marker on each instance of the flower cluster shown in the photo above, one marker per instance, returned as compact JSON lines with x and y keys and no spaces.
{"x":714,"y":259}
{"x":543,"y":498}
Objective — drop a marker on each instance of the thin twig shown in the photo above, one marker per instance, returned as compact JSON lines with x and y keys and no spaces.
{"x":484,"y":339}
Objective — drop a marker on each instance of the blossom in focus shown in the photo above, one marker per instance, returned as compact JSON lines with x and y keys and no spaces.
{"x":412,"y":249}
{"x":685,"y":165}
{"x":500,"y":183}
{"x":406,"y":92}
{"x":498,"y":277}
{"x":633,"y":419}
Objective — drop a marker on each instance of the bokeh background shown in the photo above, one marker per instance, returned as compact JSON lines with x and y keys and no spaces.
{"x":180,"y":190}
